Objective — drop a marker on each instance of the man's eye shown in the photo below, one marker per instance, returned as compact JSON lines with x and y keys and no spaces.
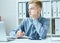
{"x":32,"y":8}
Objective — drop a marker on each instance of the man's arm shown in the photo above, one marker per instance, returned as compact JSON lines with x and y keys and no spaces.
{"x":18,"y":31}
{"x":42,"y":29}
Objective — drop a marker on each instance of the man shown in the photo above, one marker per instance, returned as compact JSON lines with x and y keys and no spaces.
{"x":35,"y":27}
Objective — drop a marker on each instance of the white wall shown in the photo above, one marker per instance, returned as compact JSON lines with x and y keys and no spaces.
{"x":8,"y":11}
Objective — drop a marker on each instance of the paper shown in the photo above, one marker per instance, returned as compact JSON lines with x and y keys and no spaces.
{"x":20,"y":11}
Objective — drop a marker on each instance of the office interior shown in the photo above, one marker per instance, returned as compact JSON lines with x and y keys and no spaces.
{"x":12,"y":12}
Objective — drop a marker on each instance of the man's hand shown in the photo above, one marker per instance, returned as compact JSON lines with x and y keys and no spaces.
{"x":19,"y":34}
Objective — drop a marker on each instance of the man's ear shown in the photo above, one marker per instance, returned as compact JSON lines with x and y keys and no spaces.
{"x":39,"y":9}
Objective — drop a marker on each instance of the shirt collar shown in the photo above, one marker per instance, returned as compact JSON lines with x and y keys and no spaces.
{"x":36,"y":19}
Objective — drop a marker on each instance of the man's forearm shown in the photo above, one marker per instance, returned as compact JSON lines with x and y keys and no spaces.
{"x":41,"y":29}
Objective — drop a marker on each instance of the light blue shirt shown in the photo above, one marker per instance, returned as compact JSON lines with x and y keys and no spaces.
{"x":35,"y":29}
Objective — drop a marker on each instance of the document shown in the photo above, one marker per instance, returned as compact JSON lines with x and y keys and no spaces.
{"x":58,"y":3}
{"x":47,"y":9}
{"x":54,"y":9}
{"x":20,"y":10}
{"x":57,"y":26}
{"x":24,"y":10}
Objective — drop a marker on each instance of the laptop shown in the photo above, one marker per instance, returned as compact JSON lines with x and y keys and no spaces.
{"x":3,"y":36}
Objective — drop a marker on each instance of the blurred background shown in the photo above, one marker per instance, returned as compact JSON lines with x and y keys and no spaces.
{"x":12,"y":12}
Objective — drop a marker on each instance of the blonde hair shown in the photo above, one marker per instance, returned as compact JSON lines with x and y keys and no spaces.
{"x":37,"y":2}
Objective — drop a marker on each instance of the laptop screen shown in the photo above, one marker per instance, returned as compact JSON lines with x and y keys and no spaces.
{"x":2,"y":31}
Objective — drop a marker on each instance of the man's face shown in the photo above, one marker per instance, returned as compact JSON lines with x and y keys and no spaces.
{"x":34,"y":10}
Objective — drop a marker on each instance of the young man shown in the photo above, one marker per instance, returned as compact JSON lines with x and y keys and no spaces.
{"x":35,"y":27}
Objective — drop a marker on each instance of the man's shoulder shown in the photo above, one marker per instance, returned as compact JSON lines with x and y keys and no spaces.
{"x":26,"y":19}
{"x":44,"y":19}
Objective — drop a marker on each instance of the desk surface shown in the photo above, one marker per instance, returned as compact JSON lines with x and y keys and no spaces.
{"x":48,"y":40}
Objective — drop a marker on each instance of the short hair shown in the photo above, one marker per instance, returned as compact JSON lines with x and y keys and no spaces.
{"x":38,"y":3}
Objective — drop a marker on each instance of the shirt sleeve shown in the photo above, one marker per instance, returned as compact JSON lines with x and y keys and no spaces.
{"x":19,"y":27}
{"x":42,"y":28}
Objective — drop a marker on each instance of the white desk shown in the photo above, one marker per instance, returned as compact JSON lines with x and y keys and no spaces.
{"x":48,"y":40}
